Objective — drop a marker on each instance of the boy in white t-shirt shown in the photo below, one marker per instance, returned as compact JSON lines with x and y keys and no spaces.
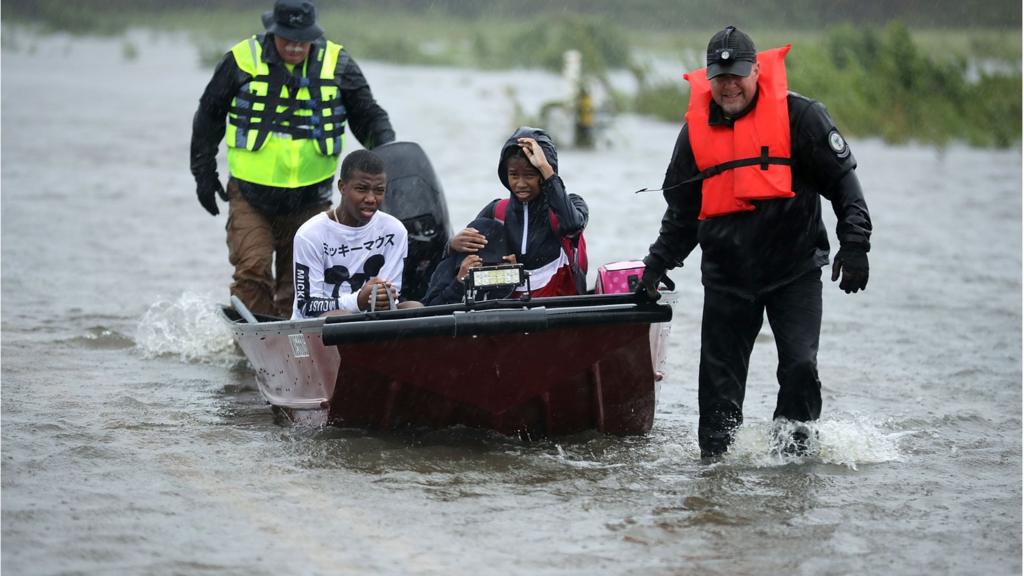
{"x":342,"y":253}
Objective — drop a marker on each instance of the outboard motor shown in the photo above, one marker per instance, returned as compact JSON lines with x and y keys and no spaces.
{"x":415,"y":197}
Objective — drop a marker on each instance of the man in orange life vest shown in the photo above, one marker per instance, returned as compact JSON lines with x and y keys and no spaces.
{"x":744,"y":182}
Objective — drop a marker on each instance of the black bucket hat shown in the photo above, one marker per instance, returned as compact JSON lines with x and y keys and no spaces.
{"x":293,"y":20}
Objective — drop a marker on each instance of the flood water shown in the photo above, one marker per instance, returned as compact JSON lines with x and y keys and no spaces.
{"x":134,"y":441}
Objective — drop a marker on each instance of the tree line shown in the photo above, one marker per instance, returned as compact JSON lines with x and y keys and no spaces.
{"x":640,"y":14}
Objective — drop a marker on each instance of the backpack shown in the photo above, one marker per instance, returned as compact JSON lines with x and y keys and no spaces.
{"x":575,"y":246}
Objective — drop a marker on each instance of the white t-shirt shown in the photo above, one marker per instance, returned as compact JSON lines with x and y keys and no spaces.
{"x":332,"y":261}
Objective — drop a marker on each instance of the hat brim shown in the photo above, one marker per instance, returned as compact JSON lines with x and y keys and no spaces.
{"x":735,"y":68}
{"x":307,"y":34}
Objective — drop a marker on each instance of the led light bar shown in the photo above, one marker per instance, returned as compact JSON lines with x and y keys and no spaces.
{"x":496,"y":276}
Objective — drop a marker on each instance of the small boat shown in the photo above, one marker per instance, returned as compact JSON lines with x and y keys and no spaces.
{"x":529,"y":367}
{"x":535,"y":368}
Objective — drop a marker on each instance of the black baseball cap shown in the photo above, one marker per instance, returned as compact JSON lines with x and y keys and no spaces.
{"x":731,"y":52}
{"x":294,"y":20}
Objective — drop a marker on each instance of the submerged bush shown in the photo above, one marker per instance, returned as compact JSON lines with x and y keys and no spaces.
{"x":664,"y":101}
{"x":881,"y":83}
{"x":602,"y":45}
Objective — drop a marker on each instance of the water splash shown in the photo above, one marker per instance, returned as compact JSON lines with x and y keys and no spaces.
{"x":578,"y":461}
{"x":189,"y":328}
{"x":844,"y":440}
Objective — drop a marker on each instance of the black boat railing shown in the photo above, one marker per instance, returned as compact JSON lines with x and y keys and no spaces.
{"x":506,"y":304}
{"x":494,"y":317}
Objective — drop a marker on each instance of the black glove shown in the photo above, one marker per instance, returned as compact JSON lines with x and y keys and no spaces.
{"x":206,"y":187}
{"x":852,"y":261}
{"x":648,"y":286}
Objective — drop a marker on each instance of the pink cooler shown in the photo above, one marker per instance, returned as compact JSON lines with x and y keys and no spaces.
{"x":619,"y":277}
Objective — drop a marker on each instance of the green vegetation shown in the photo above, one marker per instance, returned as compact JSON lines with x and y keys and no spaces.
{"x":933,"y":85}
{"x":639,"y":15}
{"x":882,"y":83}
{"x":543,"y":42}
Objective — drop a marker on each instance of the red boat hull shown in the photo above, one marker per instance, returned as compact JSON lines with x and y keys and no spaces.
{"x":533,"y":373}
{"x":542,"y":384}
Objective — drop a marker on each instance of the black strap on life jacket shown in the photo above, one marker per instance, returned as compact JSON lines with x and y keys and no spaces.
{"x":286,"y":121}
{"x":275,"y":81}
{"x":314,"y":83}
{"x":243,"y":112}
{"x":764,"y":160}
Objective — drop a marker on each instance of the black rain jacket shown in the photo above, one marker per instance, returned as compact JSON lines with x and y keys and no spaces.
{"x":751,"y":253}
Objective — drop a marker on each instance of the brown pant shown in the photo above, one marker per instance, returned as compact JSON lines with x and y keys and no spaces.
{"x":254,"y":239}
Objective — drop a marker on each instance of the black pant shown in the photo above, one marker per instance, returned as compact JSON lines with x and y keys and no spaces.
{"x":728,"y":330}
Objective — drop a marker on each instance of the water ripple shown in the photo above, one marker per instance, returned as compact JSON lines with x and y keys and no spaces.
{"x":101,"y":338}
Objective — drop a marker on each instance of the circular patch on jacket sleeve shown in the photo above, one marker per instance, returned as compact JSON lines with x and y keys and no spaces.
{"x":838,"y":144}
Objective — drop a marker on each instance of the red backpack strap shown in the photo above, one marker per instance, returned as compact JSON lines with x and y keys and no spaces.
{"x":576,"y":249}
{"x":575,"y":246}
{"x":500,"y":209}
{"x":581,"y":251}
{"x":567,"y":244}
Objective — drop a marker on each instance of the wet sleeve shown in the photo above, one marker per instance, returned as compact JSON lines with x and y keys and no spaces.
{"x":369,"y":122}
{"x":311,"y":298}
{"x":571,"y":209}
{"x":678,"y":234}
{"x":208,"y":123}
{"x":826,"y":154}
{"x":444,"y":288}
{"x":485,"y":212}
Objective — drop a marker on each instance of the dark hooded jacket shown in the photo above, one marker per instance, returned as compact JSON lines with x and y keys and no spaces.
{"x":542,"y":244}
{"x":445,"y":287}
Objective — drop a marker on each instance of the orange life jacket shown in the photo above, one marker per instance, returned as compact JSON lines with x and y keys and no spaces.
{"x":751,"y":159}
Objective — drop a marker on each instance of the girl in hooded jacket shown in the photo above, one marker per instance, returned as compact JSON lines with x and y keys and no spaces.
{"x":543,"y":224}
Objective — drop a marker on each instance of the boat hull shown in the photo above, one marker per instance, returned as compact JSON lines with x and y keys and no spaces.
{"x":541,"y":384}
{"x":530,"y":381}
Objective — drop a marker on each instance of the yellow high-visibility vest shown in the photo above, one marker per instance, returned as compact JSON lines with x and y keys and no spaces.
{"x":286,"y":129}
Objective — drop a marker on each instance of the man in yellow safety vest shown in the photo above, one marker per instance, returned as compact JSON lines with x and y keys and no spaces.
{"x":281,"y":100}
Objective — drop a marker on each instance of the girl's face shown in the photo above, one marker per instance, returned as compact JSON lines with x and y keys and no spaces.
{"x":523,"y":179}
